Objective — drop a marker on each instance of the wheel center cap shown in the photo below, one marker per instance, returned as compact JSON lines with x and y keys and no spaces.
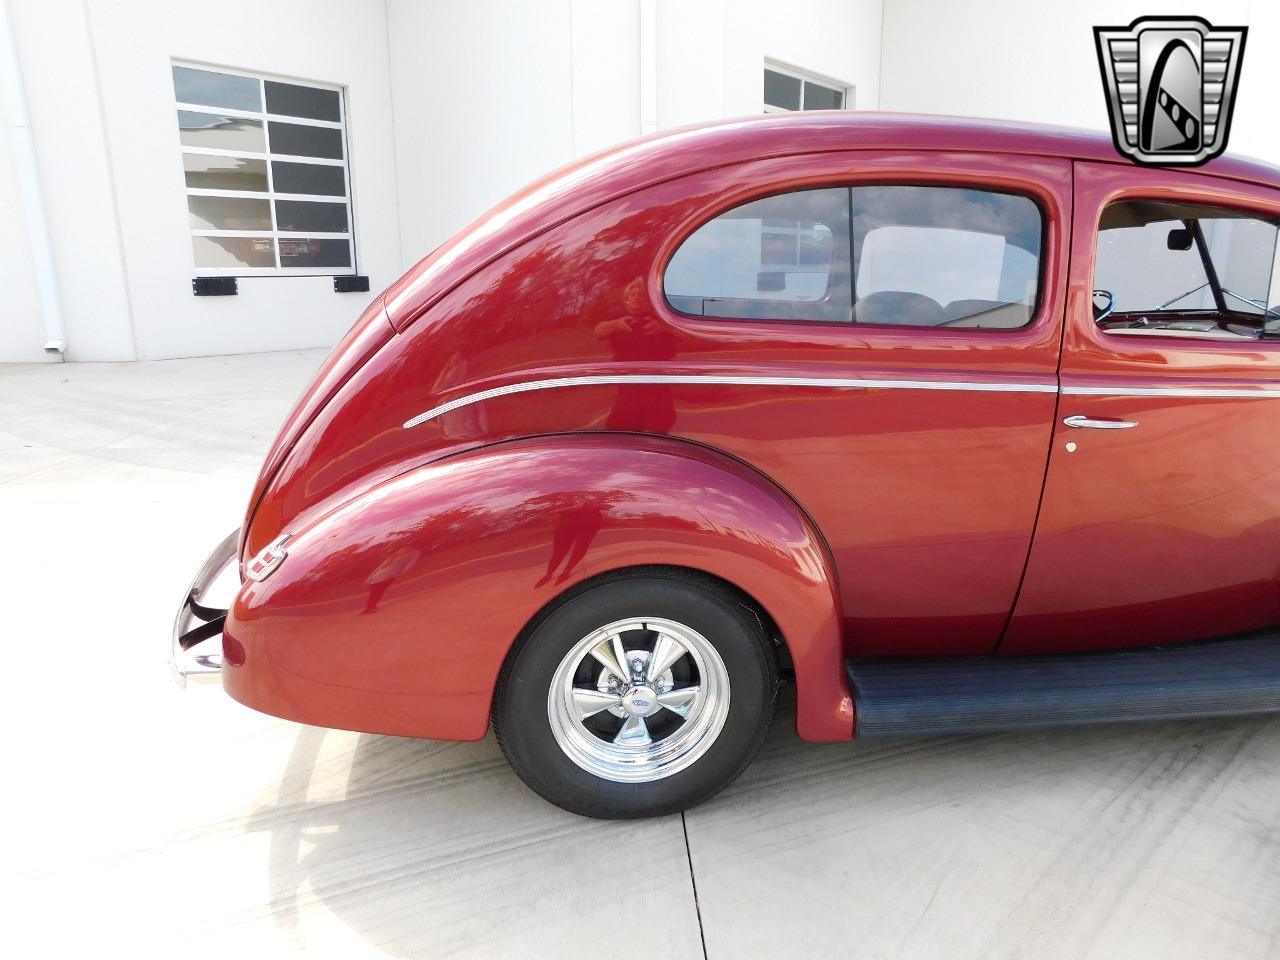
{"x":640,"y":701}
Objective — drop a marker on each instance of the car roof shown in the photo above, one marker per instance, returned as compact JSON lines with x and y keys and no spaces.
{"x":848,"y":130}
{"x":675,"y":153}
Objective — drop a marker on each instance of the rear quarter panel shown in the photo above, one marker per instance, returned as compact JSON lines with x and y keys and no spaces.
{"x":394,"y":613}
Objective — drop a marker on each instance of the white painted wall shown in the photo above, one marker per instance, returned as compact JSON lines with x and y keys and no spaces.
{"x":61,"y":83}
{"x":711,"y":53}
{"x":335,"y":41}
{"x":1013,"y":60}
{"x":452,"y":105}
{"x":21,"y":324}
{"x":556,"y":80}
{"x":101,"y":99}
{"x":482,"y":105}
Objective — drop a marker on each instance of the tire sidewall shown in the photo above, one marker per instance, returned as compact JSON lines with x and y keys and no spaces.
{"x":525,"y":729}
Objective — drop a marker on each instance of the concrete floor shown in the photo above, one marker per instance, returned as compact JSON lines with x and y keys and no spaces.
{"x":148,"y":821}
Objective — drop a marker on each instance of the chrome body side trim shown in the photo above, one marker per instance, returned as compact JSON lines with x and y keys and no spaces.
{"x":202,"y":662}
{"x":839,"y":383}
{"x":1189,"y":392}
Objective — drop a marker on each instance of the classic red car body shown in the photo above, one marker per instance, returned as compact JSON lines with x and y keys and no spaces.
{"x":913,"y":496}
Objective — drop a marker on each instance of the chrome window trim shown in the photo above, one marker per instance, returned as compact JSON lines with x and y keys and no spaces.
{"x":753,"y":381}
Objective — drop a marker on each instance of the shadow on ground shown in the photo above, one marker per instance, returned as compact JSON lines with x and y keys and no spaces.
{"x":1061,"y":840}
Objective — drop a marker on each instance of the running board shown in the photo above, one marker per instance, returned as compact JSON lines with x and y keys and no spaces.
{"x":935,"y":695}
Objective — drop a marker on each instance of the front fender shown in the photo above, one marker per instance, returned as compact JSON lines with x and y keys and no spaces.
{"x":394,"y":612}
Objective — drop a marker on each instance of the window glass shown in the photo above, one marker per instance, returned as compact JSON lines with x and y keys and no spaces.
{"x":308,"y":178}
{"x":312,"y":252}
{"x":263,"y":141}
{"x":301,"y":140}
{"x":819,"y":97}
{"x":220,"y":133}
{"x":218,"y":252}
{"x":309,"y":215}
{"x":780,"y":258}
{"x":781,"y":90}
{"x":1186,"y":270}
{"x":229,"y":213}
{"x":944,"y":257}
{"x":295,"y":100}
{"x":211,"y":89}
{"x":224,"y":173}
{"x":786,"y":88}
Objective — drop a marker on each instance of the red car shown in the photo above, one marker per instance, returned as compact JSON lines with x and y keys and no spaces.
{"x":964,"y":426}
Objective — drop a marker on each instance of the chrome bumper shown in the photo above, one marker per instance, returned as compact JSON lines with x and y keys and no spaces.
{"x":195,"y":649}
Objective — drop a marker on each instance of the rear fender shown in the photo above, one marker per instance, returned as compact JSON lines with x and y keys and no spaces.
{"x":394,"y":612}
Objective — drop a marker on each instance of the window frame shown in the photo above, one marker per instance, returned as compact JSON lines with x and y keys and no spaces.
{"x":270,"y":195}
{"x":848,"y":90}
{"x":1034,"y":311}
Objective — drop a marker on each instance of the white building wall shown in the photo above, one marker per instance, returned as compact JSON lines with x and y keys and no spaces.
{"x":333,"y":41}
{"x":711,"y":53}
{"x":101,"y":99}
{"x":559,"y":79}
{"x":1012,"y":60}
{"x":452,"y":106}
{"x":21,"y":324}
{"x":56,"y":57}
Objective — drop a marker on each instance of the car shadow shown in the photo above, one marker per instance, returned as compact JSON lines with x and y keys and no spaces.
{"x":432,"y":848}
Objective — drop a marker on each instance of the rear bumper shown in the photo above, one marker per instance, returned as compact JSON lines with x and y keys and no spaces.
{"x":195,"y":649}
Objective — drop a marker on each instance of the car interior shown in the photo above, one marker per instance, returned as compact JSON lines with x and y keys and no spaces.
{"x":1186,"y":270}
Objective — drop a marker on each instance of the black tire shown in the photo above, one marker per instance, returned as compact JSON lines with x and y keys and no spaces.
{"x":520,"y":711}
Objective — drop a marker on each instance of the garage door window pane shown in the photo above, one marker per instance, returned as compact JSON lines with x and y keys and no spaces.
{"x":215,"y":252}
{"x":306,"y":215}
{"x":211,"y":89}
{"x":229,"y":213}
{"x":312,"y":252}
{"x":308,"y":178}
{"x":779,"y":258}
{"x":944,"y":257}
{"x":294,"y":100}
{"x":224,"y":173}
{"x":301,"y":140}
{"x":218,"y":132}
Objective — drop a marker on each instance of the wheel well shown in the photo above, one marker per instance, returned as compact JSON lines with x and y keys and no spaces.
{"x":687,"y":574}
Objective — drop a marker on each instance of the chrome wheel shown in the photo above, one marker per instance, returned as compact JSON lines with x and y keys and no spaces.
{"x":638,"y":700}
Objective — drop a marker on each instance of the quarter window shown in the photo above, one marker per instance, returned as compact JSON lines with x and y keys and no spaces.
{"x":267,"y":182}
{"x":780,"y":258}
{"x":882,"y":255}
{"x":1187,"y":270}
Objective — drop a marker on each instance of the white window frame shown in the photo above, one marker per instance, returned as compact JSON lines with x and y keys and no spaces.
{"x":804,"y":75}
{"x":270,"y":194}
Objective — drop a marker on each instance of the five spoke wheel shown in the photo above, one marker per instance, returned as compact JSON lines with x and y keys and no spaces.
{"x":638,"y":700}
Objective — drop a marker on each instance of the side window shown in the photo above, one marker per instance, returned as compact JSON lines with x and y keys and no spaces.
{"x":781,"y":258}
{"x":892,"y":255}
{"x":944,"y":257}
{"x":1188,"y":270}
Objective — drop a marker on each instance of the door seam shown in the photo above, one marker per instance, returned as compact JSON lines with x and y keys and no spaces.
{"x":1053,"y":422}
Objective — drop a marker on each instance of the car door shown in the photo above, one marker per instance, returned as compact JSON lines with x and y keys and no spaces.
{"x":1160,"y":519}
{"x":917,"y":433}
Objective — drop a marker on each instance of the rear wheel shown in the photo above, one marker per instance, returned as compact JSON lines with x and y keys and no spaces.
{"x":638,"y":696}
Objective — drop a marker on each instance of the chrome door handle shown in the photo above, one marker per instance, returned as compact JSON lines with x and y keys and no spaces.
{"x":1079,"y":420}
